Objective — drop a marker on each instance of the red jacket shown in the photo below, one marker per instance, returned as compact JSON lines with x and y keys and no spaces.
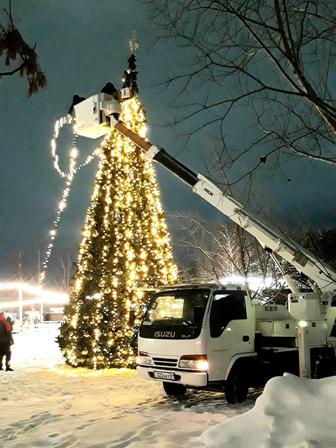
{"x":5,"y":323}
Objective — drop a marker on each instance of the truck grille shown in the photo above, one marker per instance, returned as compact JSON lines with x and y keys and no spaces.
{"x":165,"y":362}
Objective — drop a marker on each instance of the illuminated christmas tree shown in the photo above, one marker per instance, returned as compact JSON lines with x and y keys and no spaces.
{"x":125,"y":246}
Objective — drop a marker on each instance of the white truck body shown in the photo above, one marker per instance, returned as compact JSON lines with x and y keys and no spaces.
{"x":262,"y":339}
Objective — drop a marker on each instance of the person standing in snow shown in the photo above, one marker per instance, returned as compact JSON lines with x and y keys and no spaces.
{"x":6,"y":340}
{"x":9,"y":320}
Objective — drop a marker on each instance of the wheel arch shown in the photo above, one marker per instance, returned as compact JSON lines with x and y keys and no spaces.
{"x":240,"y":360}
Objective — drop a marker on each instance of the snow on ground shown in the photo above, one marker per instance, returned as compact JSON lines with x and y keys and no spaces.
{"x":291,"y":413}
{"x":46,"y":404}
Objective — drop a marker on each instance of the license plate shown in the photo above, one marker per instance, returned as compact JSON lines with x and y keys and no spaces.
{"x":164,"y":375}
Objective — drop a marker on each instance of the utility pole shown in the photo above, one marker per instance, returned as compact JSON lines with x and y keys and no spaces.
{"x":39,"y":280}
{"x":68,"y":271}
{"x":20,"y":291}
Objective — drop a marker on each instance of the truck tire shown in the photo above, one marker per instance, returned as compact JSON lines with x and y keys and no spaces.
{"x":173,"y":389}
{"x":236,"y":387}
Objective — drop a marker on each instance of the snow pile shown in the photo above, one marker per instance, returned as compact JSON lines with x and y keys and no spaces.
{"x":291,"y":413}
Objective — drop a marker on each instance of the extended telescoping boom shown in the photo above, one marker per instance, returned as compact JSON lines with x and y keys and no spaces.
{"x":304,"y":262}
{"x":96,"y":116}
{"x":313,"y":312}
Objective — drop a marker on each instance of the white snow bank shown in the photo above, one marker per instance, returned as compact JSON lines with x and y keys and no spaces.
{"x":291,"y":413}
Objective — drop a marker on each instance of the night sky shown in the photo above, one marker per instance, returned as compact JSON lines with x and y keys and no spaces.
{"x":82,"y":44}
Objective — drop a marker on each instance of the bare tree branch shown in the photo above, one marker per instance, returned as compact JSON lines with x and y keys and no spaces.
{"x":12,"y":45}
{"x":268,"y":61}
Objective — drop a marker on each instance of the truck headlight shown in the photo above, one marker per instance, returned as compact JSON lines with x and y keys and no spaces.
{"x":194,"y":362}
{"x":144,"y":359}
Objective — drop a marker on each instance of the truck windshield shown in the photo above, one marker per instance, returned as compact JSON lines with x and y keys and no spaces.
{"x":180,"y":310}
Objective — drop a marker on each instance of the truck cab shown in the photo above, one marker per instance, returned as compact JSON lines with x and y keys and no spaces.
{"x":192,"y":335}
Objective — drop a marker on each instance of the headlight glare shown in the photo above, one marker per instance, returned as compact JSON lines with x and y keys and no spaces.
{"x":194,"y":362}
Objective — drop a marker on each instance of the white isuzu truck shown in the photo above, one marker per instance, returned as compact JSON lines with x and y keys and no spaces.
{"x":212,"y":336}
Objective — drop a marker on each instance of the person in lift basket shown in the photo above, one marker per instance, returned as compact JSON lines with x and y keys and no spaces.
{"x":6,"y":340}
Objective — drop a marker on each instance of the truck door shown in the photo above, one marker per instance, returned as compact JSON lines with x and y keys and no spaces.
{"x":230,"y":331}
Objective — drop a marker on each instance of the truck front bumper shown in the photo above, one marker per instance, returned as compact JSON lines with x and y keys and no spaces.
{"x":195,"y":379}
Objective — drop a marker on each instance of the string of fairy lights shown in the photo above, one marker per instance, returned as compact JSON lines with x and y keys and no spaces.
{"x":69,"y":119}
{"x":125,"y":244}
{"x":73,"y":169}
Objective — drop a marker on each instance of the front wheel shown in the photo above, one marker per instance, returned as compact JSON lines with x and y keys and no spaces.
{"x":173,"y":389}
{"x":236,"y":388}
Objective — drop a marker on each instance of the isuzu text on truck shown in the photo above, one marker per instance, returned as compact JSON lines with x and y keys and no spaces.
{"x":213,"y":336}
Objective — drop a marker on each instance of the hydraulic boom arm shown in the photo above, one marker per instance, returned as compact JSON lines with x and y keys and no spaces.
{"x":295,"y":254}
{"x":323,"y":278}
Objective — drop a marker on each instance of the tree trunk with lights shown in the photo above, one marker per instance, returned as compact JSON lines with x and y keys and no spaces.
{"x":125,"y":246}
